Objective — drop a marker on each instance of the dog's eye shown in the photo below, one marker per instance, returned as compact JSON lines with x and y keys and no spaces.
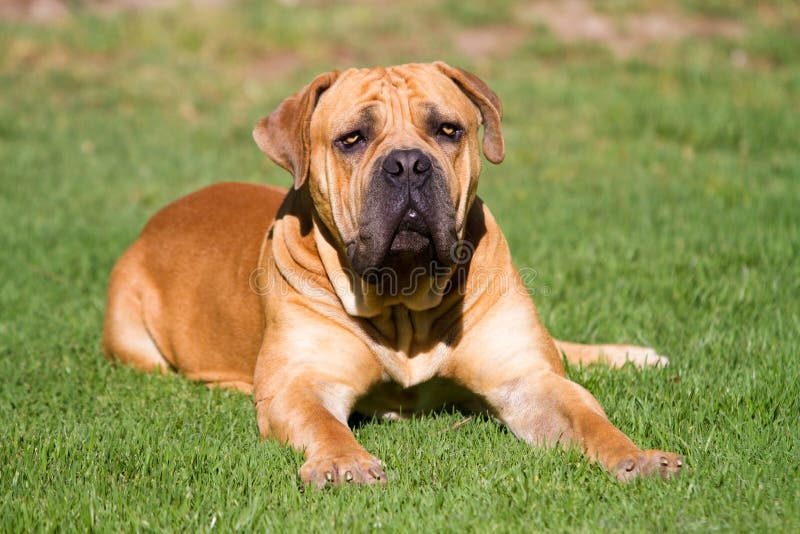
{"x":450,"y":130}
{"x":350,"y":140}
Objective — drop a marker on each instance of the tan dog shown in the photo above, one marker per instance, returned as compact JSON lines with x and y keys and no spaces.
{"x":379,"y":284}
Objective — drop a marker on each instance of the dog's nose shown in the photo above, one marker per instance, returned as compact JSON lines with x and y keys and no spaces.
{"x":407,"y":166}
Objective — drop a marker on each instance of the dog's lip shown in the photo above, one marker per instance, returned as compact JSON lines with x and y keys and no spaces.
{"x":411,"y":230}
{"x":412,"y":236}
{"x":409,"y":241}
{"x":412,"y":221}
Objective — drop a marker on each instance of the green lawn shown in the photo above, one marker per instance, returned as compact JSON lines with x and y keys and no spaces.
{"x":657,"y":195}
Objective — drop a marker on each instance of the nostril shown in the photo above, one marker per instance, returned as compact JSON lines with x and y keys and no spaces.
{"x":392,"y":166}
{"x":422,"y":165}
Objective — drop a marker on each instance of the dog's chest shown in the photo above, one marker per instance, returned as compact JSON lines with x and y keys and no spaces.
{"x":408,"y":346}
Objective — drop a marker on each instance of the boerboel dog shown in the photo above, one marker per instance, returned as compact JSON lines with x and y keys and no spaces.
{"x":379,"y":284}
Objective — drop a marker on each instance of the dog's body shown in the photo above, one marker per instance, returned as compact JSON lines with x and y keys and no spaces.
{"x":379,"y":284}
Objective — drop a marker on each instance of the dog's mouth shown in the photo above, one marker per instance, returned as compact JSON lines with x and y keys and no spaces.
{"x":413,"y":236}
{"x":404,"y":239}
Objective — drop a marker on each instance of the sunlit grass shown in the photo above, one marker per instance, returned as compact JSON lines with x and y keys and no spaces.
{"x":656,"y":197}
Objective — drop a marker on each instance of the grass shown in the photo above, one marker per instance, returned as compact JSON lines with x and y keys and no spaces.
{"x":656,"y":196}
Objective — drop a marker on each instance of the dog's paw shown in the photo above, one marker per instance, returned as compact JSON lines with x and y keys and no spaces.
{"x":619,"y":355}
{"x":646,"y":357}
{"x":647,"y":464}
{"x":357,"y":468}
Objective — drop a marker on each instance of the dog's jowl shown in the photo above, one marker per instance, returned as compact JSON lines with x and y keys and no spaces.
{"x":379,"y":283}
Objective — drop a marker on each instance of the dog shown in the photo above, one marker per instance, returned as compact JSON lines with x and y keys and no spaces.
{"x":378,"y":284}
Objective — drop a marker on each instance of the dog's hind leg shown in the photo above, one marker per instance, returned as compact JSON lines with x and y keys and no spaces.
{"x":125,"y":335}
{"x":612,"y":355}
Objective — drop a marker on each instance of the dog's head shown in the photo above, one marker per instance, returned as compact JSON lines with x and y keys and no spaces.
{"x":390,"y":156}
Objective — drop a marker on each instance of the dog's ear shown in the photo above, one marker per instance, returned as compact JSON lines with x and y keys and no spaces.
{"x":285,"y":134}
{"x":488,"y":104}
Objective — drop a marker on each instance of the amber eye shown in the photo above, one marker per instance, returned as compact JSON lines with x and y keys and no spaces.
{"x":350,"y":140}
{"x":450,"y":130}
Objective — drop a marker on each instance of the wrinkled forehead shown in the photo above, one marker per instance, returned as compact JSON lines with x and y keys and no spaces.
{"x":415,"y":92}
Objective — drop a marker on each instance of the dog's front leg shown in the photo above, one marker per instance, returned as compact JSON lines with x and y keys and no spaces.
{"x":298,"y":416}
{"x":304,"y":392}
{"x":522,"y":380}
{"x":544,"y":408}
